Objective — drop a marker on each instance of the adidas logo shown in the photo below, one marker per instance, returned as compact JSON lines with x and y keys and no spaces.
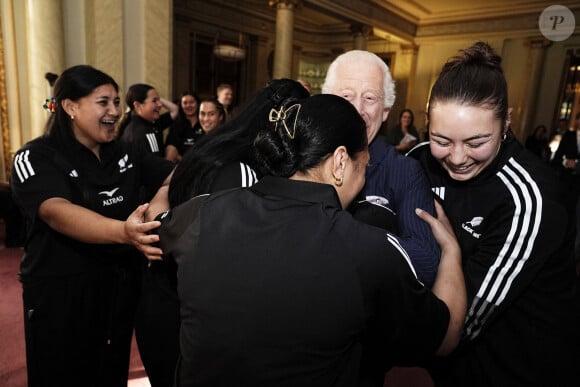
{"x":439,"y":191}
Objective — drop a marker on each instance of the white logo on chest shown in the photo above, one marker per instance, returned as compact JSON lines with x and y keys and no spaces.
{"x":470,"y":225}
{"x":111,"y":200}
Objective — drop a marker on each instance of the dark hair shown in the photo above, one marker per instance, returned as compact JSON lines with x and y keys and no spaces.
{"x":474,"y":78}
{"x":181,"y":117}
{"x":412,"y":117}
{"x":136,"y":93}
{"x":74,"y":83}
{"x":229,"y":142}
{"x":51,"y":78}
{"x":306,"y":132}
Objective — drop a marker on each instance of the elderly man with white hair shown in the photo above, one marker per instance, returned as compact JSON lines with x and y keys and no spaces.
{"x":395,"y":185}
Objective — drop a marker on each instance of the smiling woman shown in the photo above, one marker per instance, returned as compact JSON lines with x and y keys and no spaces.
{"x":515,"y":233}
{"x":76,"y":186}
{"x":143,"y":124}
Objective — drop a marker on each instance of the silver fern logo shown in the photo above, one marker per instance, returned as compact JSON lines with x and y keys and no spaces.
{"x":124,"y":163}
{"x":470,"y":226}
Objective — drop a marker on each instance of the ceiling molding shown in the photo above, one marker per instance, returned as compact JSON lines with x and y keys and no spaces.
{"x":328,"y":22}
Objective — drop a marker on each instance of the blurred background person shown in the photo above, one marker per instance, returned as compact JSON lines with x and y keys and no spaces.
{"x":404,"y":135}
{"x":211,"y":115}
{"x":185,"y":129}
{"x":537,"y":143}
{"x":144,"y":124}
{"x":225,"y":96}
{"x":567,"y":163}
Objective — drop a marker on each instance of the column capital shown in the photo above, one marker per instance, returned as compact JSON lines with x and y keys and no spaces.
{"x":284,"y":3}
{"x":361,"y":29}
{"x":410,"y":49}
{"x":537,"y":42}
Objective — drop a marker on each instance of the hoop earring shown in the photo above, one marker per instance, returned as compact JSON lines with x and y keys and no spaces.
{"x":503,"y":136}
{"x":338,"y":181}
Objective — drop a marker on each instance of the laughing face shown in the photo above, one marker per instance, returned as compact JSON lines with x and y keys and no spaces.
{"x":464,"y":139}
{"x":149,"y":109}
{"x":95,"y":116}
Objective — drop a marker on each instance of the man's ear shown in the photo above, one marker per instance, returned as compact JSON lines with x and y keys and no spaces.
{"x":69,"y":107}
{"x":386,"y":113}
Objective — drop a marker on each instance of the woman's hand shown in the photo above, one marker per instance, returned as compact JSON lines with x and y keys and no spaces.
{"x":137,"y":231}
{"x":440,"y":227}
{"x":449,"y":284}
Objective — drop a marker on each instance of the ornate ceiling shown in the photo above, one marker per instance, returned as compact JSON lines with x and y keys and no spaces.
{"x":331,"y":22}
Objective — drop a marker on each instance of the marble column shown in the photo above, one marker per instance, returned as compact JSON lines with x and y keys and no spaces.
{"x":537,"y":52}
{"x":284,"y":37}
{"x":360,"y":34}
{"x":148,"y":44}
{"x":408,"y":62}
{"x":45,"y":48}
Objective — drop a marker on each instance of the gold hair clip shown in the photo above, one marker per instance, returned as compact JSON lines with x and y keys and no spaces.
{"x":280,"y":116}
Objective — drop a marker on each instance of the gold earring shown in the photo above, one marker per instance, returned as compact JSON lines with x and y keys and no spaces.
{"x":338,"y":181}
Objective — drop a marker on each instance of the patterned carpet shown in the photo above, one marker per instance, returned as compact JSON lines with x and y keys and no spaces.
{"x":12,"y":352}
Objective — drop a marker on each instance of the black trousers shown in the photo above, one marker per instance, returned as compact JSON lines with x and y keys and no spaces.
{"x":78,"y":329}
{"x":157,"y":322}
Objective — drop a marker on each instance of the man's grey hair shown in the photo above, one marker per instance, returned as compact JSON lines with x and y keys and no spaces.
{"x":363,"y":57}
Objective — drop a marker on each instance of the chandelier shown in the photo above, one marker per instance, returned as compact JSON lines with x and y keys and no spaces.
{"x":228,"y":52}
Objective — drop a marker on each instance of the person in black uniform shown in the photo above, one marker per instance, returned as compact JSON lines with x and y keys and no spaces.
{"x":143,"y":124}
{"x":516,"y":236}
{"x":279,"y":286}
{"x":75,"y":186}
{"x":220,"y":160}
{"x":185,"y":130}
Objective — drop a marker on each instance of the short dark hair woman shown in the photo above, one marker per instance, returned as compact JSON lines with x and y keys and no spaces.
{"x":279,"y":286}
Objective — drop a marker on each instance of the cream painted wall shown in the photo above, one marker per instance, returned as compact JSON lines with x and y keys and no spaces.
{"x":130,"y":39}
{"x":515,"y":62}
{"x":74,"y":42}
{"x":430,"y":59}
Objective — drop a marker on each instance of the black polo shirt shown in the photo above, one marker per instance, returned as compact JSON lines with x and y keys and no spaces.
{"x":183,"y":136}
{"x":146,"y":135}
{"x":281,"y":287}
{"x":109,"y":186}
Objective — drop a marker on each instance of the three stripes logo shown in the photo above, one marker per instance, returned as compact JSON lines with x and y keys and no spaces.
{"x":439,"y":191}
{"x":152,"y":140}
{"x":22,"y":166}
